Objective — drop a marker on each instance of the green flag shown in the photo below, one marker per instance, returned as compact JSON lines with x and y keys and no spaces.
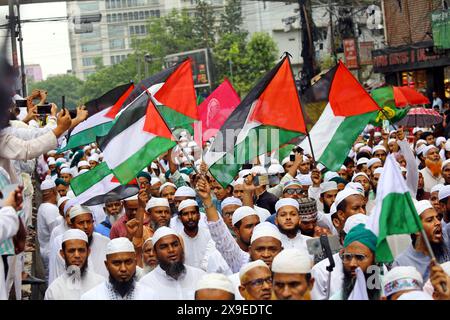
{"x":384,"y":97}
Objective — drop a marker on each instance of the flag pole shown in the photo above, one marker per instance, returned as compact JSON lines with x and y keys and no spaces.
{"x":174,"y":138}
{"x":287,"y":55}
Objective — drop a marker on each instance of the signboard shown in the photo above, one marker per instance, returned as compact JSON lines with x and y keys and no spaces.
{"x":200,"y":65}
{"x":440,"y":25}
{"x":408,"y":58}
{"x":351,"y":53}
{"x":365,"y":52}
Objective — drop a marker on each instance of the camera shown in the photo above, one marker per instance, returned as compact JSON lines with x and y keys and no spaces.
{"x":44,"y":108}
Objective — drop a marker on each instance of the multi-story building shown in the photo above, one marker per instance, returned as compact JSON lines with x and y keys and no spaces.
{"x":33,"y":72}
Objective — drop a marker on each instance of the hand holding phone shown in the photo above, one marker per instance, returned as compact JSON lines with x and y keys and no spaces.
{"x":44,"y":108}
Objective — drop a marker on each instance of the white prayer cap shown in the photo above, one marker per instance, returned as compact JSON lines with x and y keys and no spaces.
{"x":86,"y":148}
{"x":333,"y":208}
{"x":94,"y":157}
{"x":357,"y":146}
{"x":230,"y":201}
{"x":274,"y":161}
{"x":78,"y":210}
{"x":320,"y":166}
{"x":285,"y":160}
{"x":415,"y":295}
{"x":354,"y":220}
{"x":360,"y":174}
{"x":187,"y":203}
{"x":237,"y":182}
{"x":48,"y":184}
{"x":82,"y":171}
{"x":167,"y":184}
{"x":275,"y":169}
{"x":347,"y":192}
{"x":83,"y":164}
{"x":420,"y":141}
{"x":260,"y":170}
{"x":422,"y":205}
{"x":377,"y":134}
{"x":286,"y":202}
{"x":447,"y":146}
{"x":304,"y":179}
{"x":61,"y":160}
{"x":403,"y":169}
{"x":66,"y":171}
{"x":62,"y":199}
{"x":378,"y":170}
{"x":330,"y":175}
{"x":444,"y":192}
{"x":328,"y":186}
{"x":373,"y":161}
{"x":391,"y":140}
{"x":439,"y":141}
{"x":134,"y":197}
{"x":157,"y":202}
{"x":149,"y":239}
{"x":119,"y":245}
{"x":93,"y":145}
{"x":244,"y":172}
{"x":420,"y":149}
{"x":251,"y":265}
{"x":445,"y":163}
{"x":51,"y":152}
{"x":154,"y":181}
{"x":366,"y":148}
{"x":64,"y":165}
{"x":51,"y":162}
{"x":265,"y":229}
{"x":416,"y":129}
{"x":355,"y":186}
{"x":436,"y":188}
{"x":241,"y":213}
{"x":402,"y":278}
{"x":215,"y":281}
{"x":428,"y":149}
{"x":362,"y":160}
{"x":162,"y":232}
{"x":154,"y":166}
{"x":292,"y":261}
{"x":74,"y":234}
{"x":377,"y":148}
{"x":185,"y":191}
{"x":305,"y":158}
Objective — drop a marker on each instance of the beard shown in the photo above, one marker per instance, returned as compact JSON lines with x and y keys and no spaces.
{"x":155,"y":225}
{"x":434,"y":166}
{"x":326,"y":207}
{"x":349,"y":284}
{"x":90,"y":239}
{"x":147,"y":268}
{"x":173,"y":209}
{"x":123,"y":287}
{"x":174,"y":269}
{"x":83,"y":268}
{"x":440,"y":251}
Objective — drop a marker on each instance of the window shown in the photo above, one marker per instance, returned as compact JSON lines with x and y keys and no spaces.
{"x":130,"y":16}
{"x":89,"y":61}
{"x":114,"y":17}
{"x":107,"y":4}
{"x":119,"y":17}
{"x":117,"y":44}
{"x":147,"y":14}
{"x":129,"y":3}
{"x":119,"y":4}
{"x":131,"y":30}
{"x":125,"y":17}
{"x":113,"y":4}
{"x":136,"y":15}
{"x":142,"y":29}
{"x":124,"y":3}
{"x":116,"y":31}
{"x":108,"y":18}
{"x":90,"y":47}
{"x":152,"y":13}
{"x":88,"y":6}
{"x":141,"y":15}
{"x":94,"y":34}
{"x":157,"y":13}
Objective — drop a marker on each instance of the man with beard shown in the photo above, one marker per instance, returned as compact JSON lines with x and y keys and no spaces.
{"x":374,"y":181}
{"x":158,"y":211}
{"x":328,"y":192}
{"x":155,"y":184}
{"x":77,"y":279}
{"x":172,"y":279}
{"x":229,"y":206}
{"x":379,"y":152}
{"x":359,"y":252}
{"x":434,"y":199}
{"x":214,"y":286}
{"x":432,"y":172}
{"x":446,"y":171}
{"x":121,"y":284}
{"x":149,"y":260}
{"x":119,"y":228}
{"x":443,"y":198}
{"x":80,"y":218}
{"x":62,"y":221}
{"x":417,"y":254}
{"x":373,"y":164}
{"x":167,"y":190}
{"x":312,"y":222}
{"x":114,"y":210}
{"x":184,"y":193}
{"x":256,"y":281}
{"x":144,"y":180}
{"x":288,"y":222}
{"x":348,"y":202}
{"x":291,"y":272}
{"x":369,"y":197}
{"x":200,"y":250}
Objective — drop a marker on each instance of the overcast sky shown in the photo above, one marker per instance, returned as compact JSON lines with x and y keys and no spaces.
{"x":44,"y":43}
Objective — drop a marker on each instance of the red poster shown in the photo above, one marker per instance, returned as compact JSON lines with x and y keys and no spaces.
{"x":351,"y":53}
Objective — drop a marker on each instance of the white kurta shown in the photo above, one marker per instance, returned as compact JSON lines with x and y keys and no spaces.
{"x":177,"y":225}
{"x":9,"y":225}
{"x":96,"y":260}
{"x":99,"y":213}
{"x":101,"y":292}
{"x":234,"y":278}
{"x":63,"y":289}
{"x":47,"y":216}
{"x":299,"y":242}
{"x":58,"y":230}
{"x":167,"y":288}
{"x":320,"y":275}
{"x":429,"y":180}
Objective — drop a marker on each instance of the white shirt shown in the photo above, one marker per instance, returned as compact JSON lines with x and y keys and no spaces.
{"x":101,"y":292}
{"x":177,"y":225}
{"x":299,"y":242}
{"x":59,"y":229}
{"x":47,"y":216}
{"x":96,"y":260}
{"x":236,"y":280}
{"x":429,"y":180}
{"x":320,"y":275}
{"x":99,"y":213}
{"x":63,"y":288}
{"x":9,"y":225}
{"x":167,"y":288}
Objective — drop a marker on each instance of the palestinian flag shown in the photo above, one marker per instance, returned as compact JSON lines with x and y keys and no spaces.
{"x":394,"y":212}
{"x":138,"y":136}
{"x":269,"y":116}
{"x":385,"y":99}
{"x":97,"y":185}
{"x":102,"y":112}
{"x":349,"y":108}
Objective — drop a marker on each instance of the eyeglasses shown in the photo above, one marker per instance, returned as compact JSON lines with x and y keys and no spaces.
{"x":259,"y":282}
{"x":347,"y":257}
{"x":293,"y":191}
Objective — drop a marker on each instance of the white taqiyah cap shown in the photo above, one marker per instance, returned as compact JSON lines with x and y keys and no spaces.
{"x":275,"y":169}
{"x":428,"y":149}
{"x":285,"y":160}
{"x":354,"y":220}
{"x":330,"y":175}
{"x":305,"y":179}
{"x":51,"y":152}
{"x":74,"y":234}
{"x":328,"y":186}
{"x":83,"y":164}
{"x":265,"y":229}
{"x":259,"y":170}
{"x":61,"y":160}
{"x":157,"y":202}
{"x":154,"y":181}
{"x":422,"y":205}
{"x":402,"y":278}
{"x":51,"y":159}
{"x":119,"y":245}
{"x":162,"y":232}
{"x":445,"y":163}
{"x":347,"y":192}
{"x":447,"y":146}
{"x":77,"y":210}
{"x":51,"y":162}
{"x":216,"y":281}
{"x":366,"y":148}
{"x":436,"y":188}
{"x":133,"y":197}
{"x":48,"y":184}
{"x":187,"y":203}
{"x":94,"y":157}
{"x":86,"y":148}
{"x":185,"y":191}
{"x":378,"y":170}
{"x":373,"y":161}
{"x":362,"y":161}
{"x":231,"y":201}
{"x":167,"y":184}
{"x":237,"y":182}
{"x":360,"y":174}
{"x":61,"y":200}
{"x":251,"y":265}
{"x":444,"y":192}
{"x":244,"y":172}
{"x":286,"y":202}
{"x":241,"y":213}
{"x":292,"y":261}
{"x":66,"y":171}
{"x":355,"y":186}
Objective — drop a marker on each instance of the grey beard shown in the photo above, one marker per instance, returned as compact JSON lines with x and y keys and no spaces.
{"x":147,"y":269}
{"x":113,"y":219}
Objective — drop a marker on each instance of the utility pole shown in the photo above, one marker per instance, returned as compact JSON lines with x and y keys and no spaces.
{"x":332,"y":44}
{"x":22,"y":63}
{"x":12,"y":24}
{"x":307,"y":54}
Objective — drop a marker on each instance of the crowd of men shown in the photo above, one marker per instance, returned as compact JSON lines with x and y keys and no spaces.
{"x":184,"y":236}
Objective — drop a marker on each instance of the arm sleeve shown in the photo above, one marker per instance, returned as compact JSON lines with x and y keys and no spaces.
{"x":278,"y":189}
{"x":227,"y":246}
{"x":9,"y":223}
{"x":14,"y":148}
{"x":412,"y":174}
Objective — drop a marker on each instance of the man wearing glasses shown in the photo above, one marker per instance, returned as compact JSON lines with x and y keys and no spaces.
{"x":256,"y":281}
